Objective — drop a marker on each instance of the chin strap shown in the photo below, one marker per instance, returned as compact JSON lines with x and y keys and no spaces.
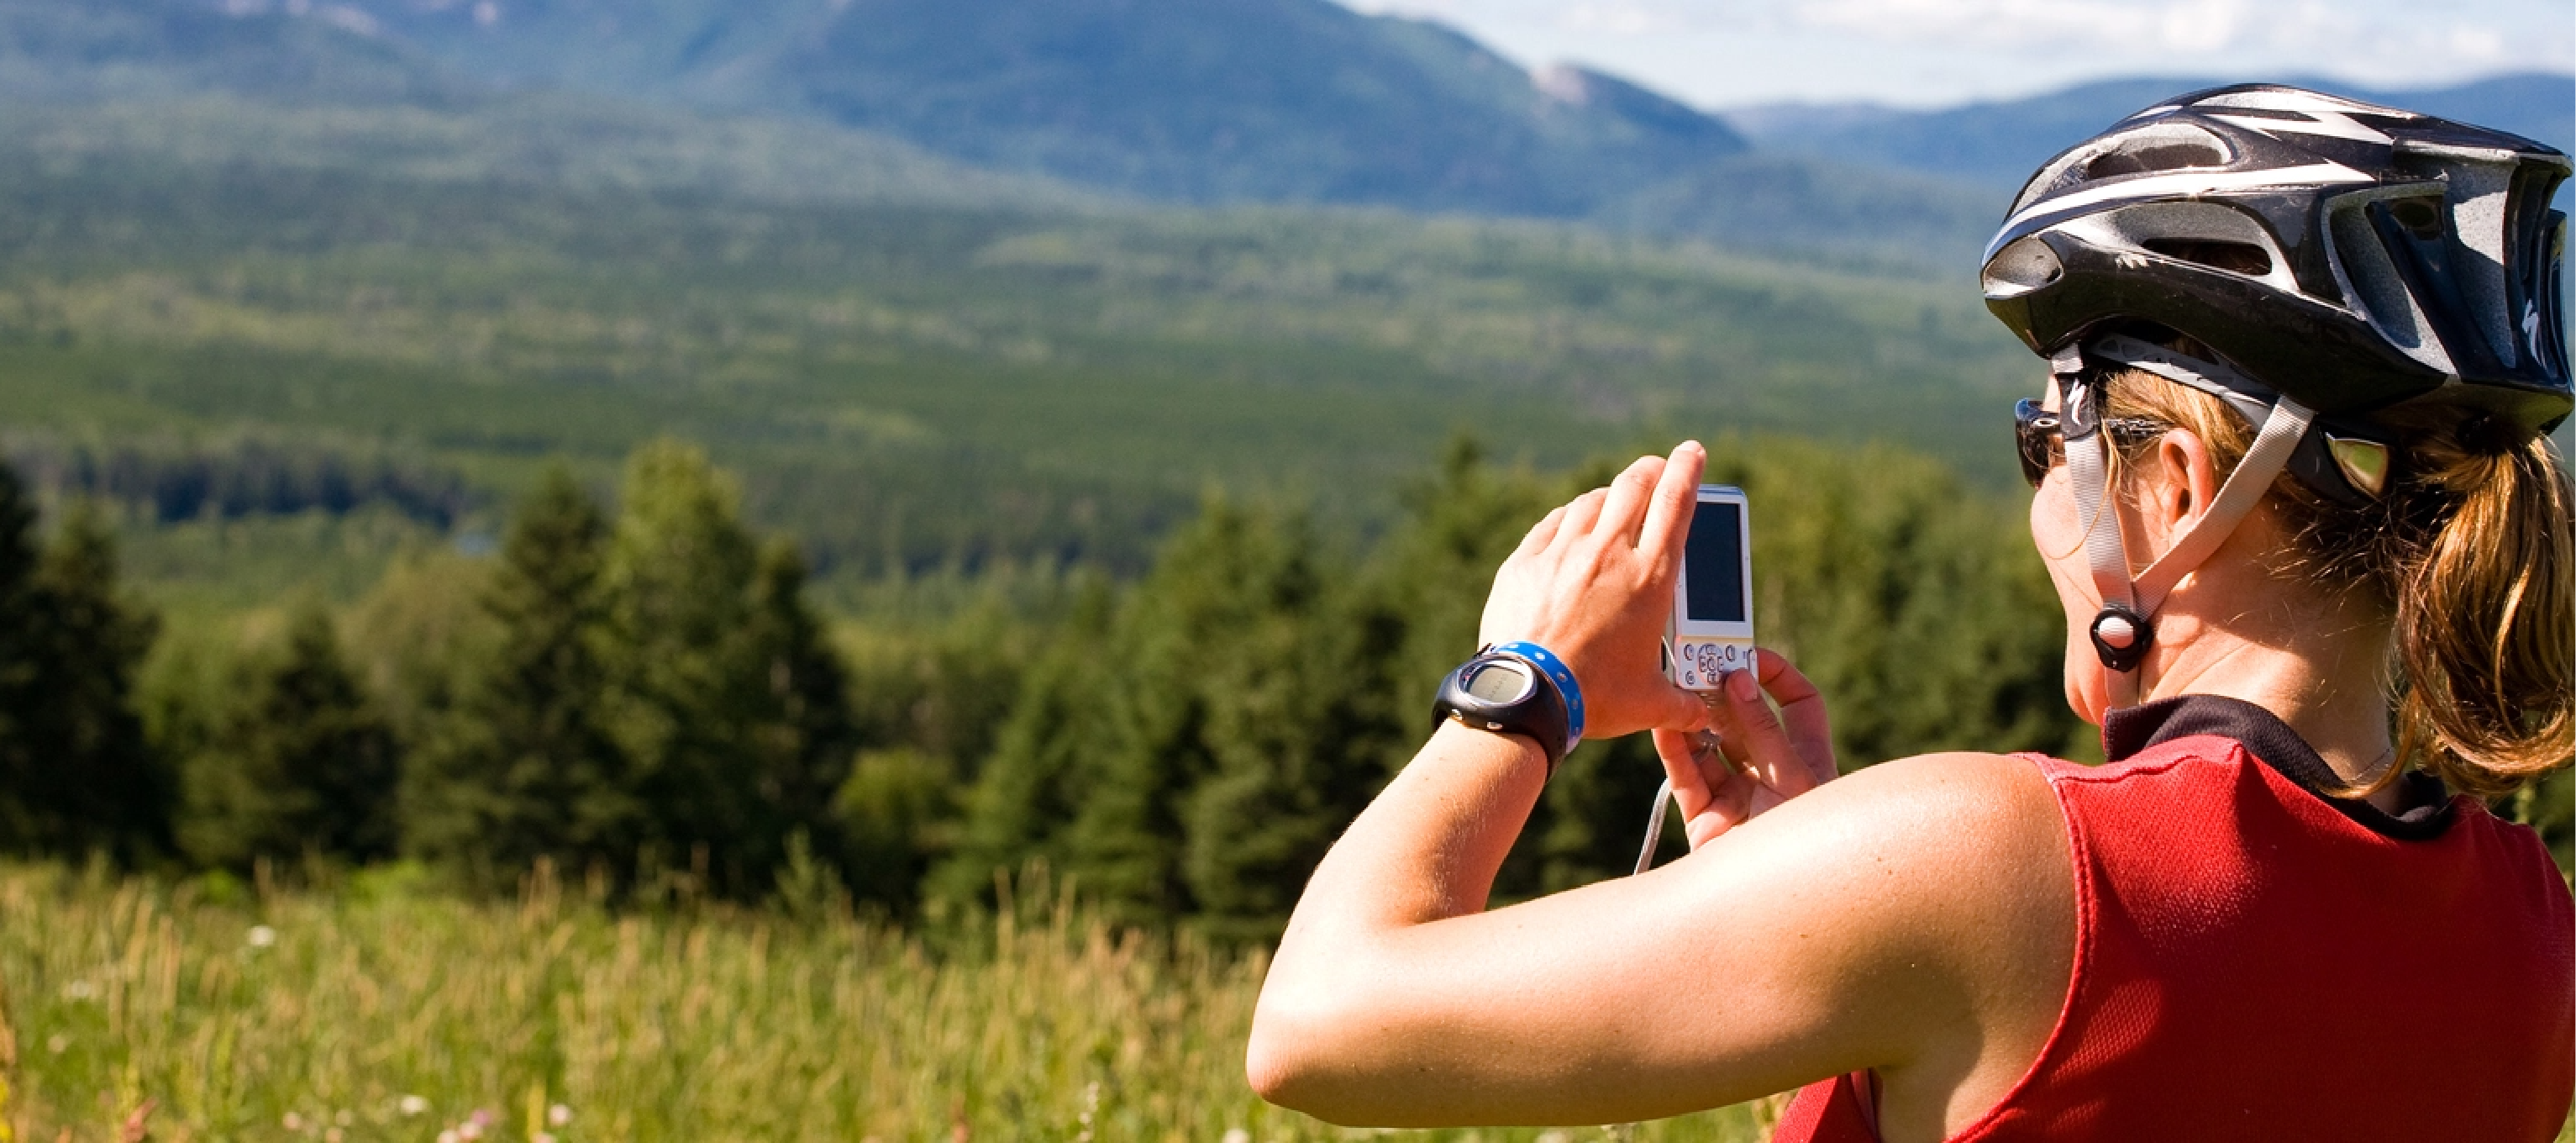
{"x":2123,"y":631}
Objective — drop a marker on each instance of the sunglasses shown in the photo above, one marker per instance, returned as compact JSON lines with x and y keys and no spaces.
{"x":2042,"y":437}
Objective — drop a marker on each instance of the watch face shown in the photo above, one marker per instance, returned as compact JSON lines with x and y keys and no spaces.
{"x":1499,"y":681}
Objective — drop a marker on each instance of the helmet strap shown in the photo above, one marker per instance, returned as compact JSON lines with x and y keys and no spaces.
{"x":2124,"y":630}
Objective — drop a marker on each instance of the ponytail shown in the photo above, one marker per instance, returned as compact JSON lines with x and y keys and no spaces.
{"x":2473,"y":552}
{"x":2486,"y":616}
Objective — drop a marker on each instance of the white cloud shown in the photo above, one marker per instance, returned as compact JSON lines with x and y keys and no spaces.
{"x":1925,"y":51}
{"x":2194,"y":26}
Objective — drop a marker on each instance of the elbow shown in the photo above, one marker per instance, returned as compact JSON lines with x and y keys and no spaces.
{"x":1278,"y":1061}
{"x":1290,"y":1059}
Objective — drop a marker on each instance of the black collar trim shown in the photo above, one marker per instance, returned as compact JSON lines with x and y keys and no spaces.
{"x":2129,"y":730}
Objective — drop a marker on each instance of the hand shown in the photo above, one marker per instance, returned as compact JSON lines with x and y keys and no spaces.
{"x":1773,"y":763}
{"x":1593,"y":582}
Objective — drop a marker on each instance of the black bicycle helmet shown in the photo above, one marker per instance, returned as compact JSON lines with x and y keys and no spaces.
{"x":2354,"y":257}
{"x":2332,"y":258}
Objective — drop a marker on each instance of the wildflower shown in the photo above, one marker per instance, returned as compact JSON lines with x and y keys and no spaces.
{"x":261,"y":936}
{"x":58,"y":1043}
{"x":335,"y":1135}
{"x":448,"y":1136}
{"x":292,"y":1122}
{"x":543,"y":1137}
{"x":558,"y":1115}
{"x":470,"y":1130}
{"x":78,"y":990}
{"x":1237,"y":1135}
{"x":411,"y":1105}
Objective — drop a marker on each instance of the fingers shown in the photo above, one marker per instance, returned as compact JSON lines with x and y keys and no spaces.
{"x":1668,"y":513}
{"x":1691,"y":770}
{"x":1683,"y":710}
{"x":1581,"y":514}
{"x":1802,"y":707}
{"x":1756,"y":735}
{"x":1541,"y":534}
{"x":1626,"y":505}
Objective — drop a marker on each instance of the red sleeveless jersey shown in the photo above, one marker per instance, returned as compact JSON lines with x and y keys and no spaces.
{"x":2255,"y":961}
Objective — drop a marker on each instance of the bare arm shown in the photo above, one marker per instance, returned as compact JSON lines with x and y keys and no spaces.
{"x":1870,"y":923}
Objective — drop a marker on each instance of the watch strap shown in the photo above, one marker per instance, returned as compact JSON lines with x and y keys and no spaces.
{"x":1556,"y":672}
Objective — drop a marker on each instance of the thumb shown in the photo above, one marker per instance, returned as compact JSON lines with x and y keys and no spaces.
{"x":1682,"y":710}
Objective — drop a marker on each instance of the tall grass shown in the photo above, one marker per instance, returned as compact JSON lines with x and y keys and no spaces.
{"x":372,"y":1011}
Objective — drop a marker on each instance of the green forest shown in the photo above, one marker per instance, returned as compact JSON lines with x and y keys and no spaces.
{"x":651,"y":691}
{"x":374,"y":500}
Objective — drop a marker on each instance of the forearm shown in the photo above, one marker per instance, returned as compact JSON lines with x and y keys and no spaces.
{"x":1429,"y":846}
{"x":1427,"y":849}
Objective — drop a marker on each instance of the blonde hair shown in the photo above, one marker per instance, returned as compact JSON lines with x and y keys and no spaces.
{"x":2470,"y":550}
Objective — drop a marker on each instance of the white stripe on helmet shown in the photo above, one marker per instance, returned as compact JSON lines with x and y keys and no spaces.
{"x":2188,"y":183}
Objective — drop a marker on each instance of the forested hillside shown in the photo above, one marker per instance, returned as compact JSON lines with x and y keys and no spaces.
{"x":1003,"y":375}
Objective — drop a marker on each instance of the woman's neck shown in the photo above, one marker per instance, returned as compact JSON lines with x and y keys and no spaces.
{"x":2317,"y":665}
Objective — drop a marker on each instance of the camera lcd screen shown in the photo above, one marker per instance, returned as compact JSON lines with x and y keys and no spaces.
{"x":1713,"y":564}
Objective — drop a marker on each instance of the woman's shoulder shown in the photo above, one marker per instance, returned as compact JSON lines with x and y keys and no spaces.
{"x":1967,"y":826}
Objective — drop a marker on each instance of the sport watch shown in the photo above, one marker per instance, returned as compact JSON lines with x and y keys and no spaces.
{"x":1518,"y":689}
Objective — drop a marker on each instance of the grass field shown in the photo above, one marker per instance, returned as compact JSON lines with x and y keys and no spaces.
{"x":367,"y":1012}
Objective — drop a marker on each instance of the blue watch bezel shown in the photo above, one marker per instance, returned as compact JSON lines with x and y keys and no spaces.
{"x":1558,"y":675}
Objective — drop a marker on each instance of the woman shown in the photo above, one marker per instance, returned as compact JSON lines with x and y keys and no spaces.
{"x":2314,"y":547}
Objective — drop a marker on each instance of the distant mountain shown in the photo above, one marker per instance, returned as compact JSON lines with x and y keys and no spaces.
{"x":52,"y":51}
{"x":1999,"y":144}
{"x":538,"y":141}
{"x":1193,"y":101}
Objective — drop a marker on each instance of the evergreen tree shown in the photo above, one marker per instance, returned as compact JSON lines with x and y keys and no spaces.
{"x":721,"y":693}
{"x":30,"y":782}
{"x":522,"y":767}
{"x":931,"y":699}
{"x":1022,"y":802}
{"x":299,"y":762}
{"x":75,"y":773}
{"x":1195,"y":756}
{"x":115,"y":796}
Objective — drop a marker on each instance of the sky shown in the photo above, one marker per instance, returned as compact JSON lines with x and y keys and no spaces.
{"x":1917,"y":53}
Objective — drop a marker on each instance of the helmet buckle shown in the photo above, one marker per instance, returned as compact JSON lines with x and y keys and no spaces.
{"x":2121,"y":638}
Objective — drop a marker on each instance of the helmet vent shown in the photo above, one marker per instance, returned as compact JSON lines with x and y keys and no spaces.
{"x":2371,"y":278}
{"x":2020,"y":268}
{"x":2421,"y":217}
{"x":2233,"y":257}
{"x":2154,"y":156}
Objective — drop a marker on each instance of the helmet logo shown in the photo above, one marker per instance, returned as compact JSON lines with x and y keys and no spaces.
{"x":2364,"y":463}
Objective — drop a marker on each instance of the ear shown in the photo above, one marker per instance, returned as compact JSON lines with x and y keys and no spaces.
{"x":2182,"y":483}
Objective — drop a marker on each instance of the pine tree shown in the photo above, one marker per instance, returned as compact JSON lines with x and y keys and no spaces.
{"x":722,"y":695}
{"x":300,"y":762}
{"x":75,"y":773}
{"x":30,"y":782}
{"x":523,"y":768}
{"x":1021,"y":803}
{"x":1194,"y":755}
{"x":800,"y":728}
{"x":115,"y":796}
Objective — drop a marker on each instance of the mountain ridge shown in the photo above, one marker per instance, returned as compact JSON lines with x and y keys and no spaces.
{"x":1998,"y":143}
{"x":1214,"y":102}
